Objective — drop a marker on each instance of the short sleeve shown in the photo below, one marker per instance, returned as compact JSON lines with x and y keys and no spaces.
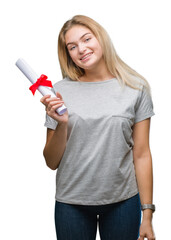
{"x":144,"y":108}
{"x":50,"y":122}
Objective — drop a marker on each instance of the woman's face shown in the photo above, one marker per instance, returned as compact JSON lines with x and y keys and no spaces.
{"x":83,"y":47}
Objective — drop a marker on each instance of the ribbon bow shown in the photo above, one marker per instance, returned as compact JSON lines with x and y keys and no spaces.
{"x":41,"y":81}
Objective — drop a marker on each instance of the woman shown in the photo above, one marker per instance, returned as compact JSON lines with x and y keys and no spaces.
{"x":100,"y":146}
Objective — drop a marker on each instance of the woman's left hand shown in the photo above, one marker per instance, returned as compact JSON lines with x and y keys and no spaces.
{"x":146,"y":230}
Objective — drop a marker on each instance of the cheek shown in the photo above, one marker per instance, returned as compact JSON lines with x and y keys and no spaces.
{"x":100,"y":51}
{"x":73,"y":56}
{"x":97,"y":47}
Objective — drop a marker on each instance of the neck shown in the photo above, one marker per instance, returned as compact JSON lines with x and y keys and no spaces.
{"x":100,"y":73}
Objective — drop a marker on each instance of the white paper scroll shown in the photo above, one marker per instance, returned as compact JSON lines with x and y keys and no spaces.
{"x":32,"y":76}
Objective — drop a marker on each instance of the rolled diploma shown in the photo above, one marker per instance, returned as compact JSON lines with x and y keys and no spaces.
{"x":32,"y":76}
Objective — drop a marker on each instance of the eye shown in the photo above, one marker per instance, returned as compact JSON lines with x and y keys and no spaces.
{"x":87,"y":39}
{"x":72,"y":48}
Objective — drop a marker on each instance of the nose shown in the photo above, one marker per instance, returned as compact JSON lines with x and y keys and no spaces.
{"x":81,"y":48}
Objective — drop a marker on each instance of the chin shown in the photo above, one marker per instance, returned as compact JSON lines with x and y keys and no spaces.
{"x":89,"y":66}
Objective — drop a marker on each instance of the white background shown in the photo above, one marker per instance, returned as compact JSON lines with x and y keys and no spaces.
{"x":29,"y":29}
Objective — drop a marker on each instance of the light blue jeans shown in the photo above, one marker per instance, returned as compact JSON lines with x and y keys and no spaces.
{"x":117,"y":221}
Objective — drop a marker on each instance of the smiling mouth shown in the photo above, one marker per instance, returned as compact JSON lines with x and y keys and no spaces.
{"x":86,"y":56}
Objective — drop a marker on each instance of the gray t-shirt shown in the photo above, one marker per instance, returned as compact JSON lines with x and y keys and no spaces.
{"x":97,"y":165}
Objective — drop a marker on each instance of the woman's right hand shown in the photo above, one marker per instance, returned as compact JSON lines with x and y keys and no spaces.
{"x":52,"y":104}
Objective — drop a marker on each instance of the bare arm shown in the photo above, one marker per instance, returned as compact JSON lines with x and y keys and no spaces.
{"x":56,"y":139}
{"x":55,"y":145}
{"x":144,"y":172}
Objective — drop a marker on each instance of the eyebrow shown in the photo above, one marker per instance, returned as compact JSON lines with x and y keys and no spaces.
{"x":79,"y":39}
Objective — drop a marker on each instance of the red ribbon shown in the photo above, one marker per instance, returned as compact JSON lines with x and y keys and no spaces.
{"x":41,"y":81}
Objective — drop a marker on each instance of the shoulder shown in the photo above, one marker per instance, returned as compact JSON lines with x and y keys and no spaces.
{"x":60,"y":82}
{"x":63,"y":85}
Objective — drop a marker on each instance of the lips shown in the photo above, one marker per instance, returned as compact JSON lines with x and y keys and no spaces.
{"x":85,"y":56}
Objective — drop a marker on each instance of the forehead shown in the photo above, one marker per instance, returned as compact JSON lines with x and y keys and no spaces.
{"x":75,"y":32}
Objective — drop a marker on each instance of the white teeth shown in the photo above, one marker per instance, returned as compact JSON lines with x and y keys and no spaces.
{"x":86,"y":56}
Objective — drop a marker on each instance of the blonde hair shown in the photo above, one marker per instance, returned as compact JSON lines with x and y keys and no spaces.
{"x":116,"y":66}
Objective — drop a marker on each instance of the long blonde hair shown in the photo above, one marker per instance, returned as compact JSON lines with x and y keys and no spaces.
{"x":116,"y":66}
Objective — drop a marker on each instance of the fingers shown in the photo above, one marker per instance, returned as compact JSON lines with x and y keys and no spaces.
{"x":149,"y":238}
{"x":53,"y":104}
{"x":47,"y":98}
{"x":44,"y":98}
{"x":141,"y":238}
